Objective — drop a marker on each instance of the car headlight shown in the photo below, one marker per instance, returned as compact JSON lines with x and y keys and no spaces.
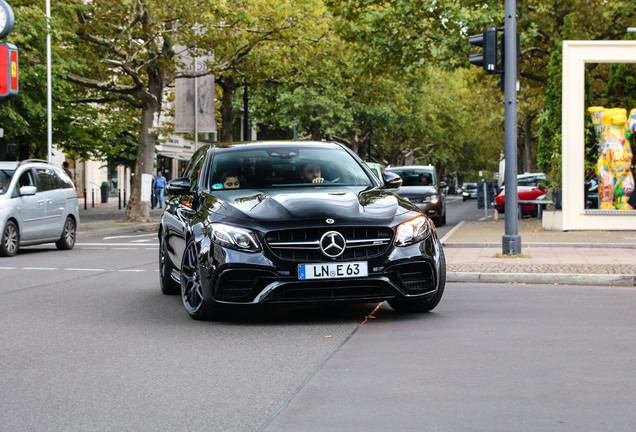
{"x":433,"y":199}
{"x":234,"y":238}
{"x":412,"y":231}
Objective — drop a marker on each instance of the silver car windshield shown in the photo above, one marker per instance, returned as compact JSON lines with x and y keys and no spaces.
{"x":416,"y":177}
{"x":273,"y":167}
{"x":5,"y":180}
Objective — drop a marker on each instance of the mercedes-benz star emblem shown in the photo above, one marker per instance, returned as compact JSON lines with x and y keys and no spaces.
{"x":332,"y":244}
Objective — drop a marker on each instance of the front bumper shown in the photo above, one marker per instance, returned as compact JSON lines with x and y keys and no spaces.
{"x":231,"y":277}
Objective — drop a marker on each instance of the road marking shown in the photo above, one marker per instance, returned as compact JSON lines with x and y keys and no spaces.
{"x":85,"y":269}
{"x":105,"y":244}
{"x":130,"y":236}
{"x":39,"y":268}
{"x":81,"y":269}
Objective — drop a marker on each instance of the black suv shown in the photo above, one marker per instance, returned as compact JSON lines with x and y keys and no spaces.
{"x":422,"y":187}
{"x":281,"y":237}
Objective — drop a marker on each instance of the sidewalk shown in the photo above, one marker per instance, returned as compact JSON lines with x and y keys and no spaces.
{"x":109,"y":217}
{"x":473,"y":252}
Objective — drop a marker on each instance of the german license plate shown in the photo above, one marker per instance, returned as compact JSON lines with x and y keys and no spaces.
{"x":333,"y":270}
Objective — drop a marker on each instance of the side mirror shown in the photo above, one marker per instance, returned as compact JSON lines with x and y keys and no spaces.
{"x":443,"y":185}
{"x":28,"y":190}
{"x":391,"y":180}
{"x":178,"y":186}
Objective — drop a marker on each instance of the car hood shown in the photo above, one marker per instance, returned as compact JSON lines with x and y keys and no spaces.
{"x":416,"y":191}
{"x":343,"y":204}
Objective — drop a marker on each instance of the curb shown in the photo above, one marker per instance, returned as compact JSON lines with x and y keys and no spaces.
{"x":561,"y":245}
{"x":120,"y":227}
{"x":622,"y":280}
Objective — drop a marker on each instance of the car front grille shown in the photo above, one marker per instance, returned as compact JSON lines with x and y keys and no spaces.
{"x":303,"y":245}
{"x":241,"y":284}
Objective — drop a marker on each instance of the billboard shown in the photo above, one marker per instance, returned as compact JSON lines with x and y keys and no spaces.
{"x":194,"y":98}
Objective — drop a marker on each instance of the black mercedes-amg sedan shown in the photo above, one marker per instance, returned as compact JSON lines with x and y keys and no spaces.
{"x":294,"y":222}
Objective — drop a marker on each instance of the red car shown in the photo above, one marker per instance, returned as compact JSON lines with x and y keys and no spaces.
{"x":529,"y":187}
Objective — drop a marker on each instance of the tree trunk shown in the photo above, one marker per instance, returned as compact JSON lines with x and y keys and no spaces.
{"x":138,"y":210}
{"x":228,"y":86}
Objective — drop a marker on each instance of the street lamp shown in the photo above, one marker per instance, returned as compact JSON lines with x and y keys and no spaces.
{"x":49,"y":128}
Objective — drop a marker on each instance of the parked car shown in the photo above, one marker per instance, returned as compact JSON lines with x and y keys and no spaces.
{"x":469,"y":191}
{"x":278,"y":239}
{"x":529,"y":188}
{"x":421,"y":186}
{"x":38,"y":204}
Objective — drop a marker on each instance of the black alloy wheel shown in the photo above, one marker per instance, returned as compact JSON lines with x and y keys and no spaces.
{"x":10,"y":240}
{"x":67,"y":240}
{"x":191,"y":289}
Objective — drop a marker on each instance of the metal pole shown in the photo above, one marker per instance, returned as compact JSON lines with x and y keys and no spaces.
{"x":49,"y":99}
{"x":485,"y":201}
{"x":295,"y":129}
{"x":511,"y":240}
{"x":246,"y":106}
{"x":196,"y":107}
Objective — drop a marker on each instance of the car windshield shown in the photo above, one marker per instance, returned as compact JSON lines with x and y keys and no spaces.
{"x":5,"y":180}
{"x":535,"y":180}
{"x":276,"y":166}
{"x":416,"y":177}
{"x":471,"y":186}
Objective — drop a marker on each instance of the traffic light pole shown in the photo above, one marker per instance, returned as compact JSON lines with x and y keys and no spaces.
{"x":511,"y":240}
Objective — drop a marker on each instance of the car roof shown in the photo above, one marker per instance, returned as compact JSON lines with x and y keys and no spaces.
{"x":274,"y":144}
{"x":15,"y":164}
{"x":413,"y":167}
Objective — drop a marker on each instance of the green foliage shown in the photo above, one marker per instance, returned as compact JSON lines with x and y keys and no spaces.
{"x":549,"y":150}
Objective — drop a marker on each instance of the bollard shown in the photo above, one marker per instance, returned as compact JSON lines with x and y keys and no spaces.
{"x":85,"y":198}
{"x":124,"y":197}
{"x":93,"y":198}
{"x":119,"y":197}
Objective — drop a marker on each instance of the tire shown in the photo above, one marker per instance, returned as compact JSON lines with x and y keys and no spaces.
{"x":419,"y":305}
{"x":10,"y":240}
{"x":67,"y":241}
{"x":191,"y":289}
{"x":168,"y":285}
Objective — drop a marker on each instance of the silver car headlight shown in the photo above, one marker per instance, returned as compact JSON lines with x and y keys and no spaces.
{"x":433,"y":199}
{"x":234,"y":238}
{"x":412,"y":231}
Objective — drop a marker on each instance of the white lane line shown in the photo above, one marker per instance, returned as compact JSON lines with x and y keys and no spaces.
{"x":104,"y":244}
{"x":132,"y":270}
{"x":39,"y":268}
{"x":8,"y":268}
{"x":85,"y":269}
{"x":131,"y":236}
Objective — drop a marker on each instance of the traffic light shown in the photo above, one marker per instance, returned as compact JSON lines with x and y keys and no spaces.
{"x":8,"y":70}
{"x":488,"y":58}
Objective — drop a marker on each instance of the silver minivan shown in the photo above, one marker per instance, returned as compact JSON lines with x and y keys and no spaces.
{"x":38,"y":204}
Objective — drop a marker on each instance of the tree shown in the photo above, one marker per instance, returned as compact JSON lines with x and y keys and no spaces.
{"x":129,"y":51}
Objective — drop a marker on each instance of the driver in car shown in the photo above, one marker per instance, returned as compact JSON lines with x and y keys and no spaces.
{"x":310,"y":173}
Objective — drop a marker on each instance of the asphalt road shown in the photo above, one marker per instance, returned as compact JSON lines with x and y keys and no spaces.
{"x":88,"y":343}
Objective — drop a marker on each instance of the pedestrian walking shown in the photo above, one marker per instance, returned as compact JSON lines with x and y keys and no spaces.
{"x":160,"y":184}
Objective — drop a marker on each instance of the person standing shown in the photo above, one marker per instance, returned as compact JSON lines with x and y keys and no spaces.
{"x":67,"y":171}
{"x":160,"y":184}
